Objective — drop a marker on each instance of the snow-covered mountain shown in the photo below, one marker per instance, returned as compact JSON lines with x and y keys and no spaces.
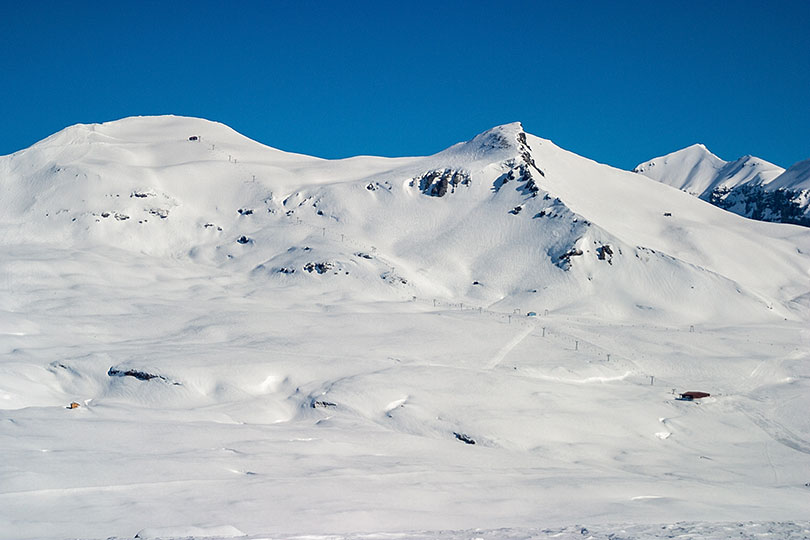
{"x":748,"y":186}
{"x":504,"y":218}
{"x":490,"y":336}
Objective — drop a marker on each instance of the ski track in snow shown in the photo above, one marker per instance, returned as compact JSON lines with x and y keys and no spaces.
{"x":506,"y":349}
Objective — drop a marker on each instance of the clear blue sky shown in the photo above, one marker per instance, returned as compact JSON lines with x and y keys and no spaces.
{"x":616,"y":81}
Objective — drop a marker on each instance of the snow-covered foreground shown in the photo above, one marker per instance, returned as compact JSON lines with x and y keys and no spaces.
{"x":279,"y":413}
{"x":403,"y":384}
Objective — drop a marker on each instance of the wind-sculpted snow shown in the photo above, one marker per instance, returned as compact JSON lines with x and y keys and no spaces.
{"x":286,"y":347}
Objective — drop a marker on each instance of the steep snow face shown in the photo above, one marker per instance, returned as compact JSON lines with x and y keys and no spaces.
{"x":795,"y":178}
{"x":699,"y":172}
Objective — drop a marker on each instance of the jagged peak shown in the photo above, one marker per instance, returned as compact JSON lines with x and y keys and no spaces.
{"x":498,"y":143}
{"x":500,"y":137}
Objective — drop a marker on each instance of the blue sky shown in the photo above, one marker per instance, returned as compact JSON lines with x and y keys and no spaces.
{"x":619,"y":82}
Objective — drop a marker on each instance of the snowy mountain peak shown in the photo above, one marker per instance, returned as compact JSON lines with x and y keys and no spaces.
{"x":494,"y":144}
{"x":689,"y":169}
{"x":795,"y":178}
{"x":748,"y":186}
{"x":698,"y":171}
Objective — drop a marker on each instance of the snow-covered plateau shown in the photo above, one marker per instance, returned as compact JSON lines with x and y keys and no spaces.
{"x":205,"y":337}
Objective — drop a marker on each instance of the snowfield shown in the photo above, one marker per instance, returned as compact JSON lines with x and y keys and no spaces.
{"x":484,"y":343}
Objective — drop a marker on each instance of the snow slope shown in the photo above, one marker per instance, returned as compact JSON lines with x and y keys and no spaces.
{"x":270,"y":343}
{"x":749,"y":186}
{"x":697,"y":171}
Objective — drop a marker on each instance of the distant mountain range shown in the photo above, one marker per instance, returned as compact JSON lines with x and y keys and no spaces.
{"x":748,"y":186}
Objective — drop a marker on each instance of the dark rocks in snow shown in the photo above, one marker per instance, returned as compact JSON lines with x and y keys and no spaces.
{"x":564,"y":260}
{"x":605,"y":253}
{"x":105,"y":214}
{"x":319,"y":267}
{"x":520,"y":173}
{"x":363,"y":255}
{"x":137,"y":374}
{"x":464,"y":438}
{"x":243,"y":240}
{"x":141,"y":194}
{"x":516,"y":210}
{"x":121,"y":217}
{"x":755,"y":202}
{"x":159,"y":212}
{"x":393,"y":278}
{"x":436,"y":183}
{"x":245,"y":211}
{"x":286,"y":270}
{"x":322,"y":404}
{"x":575,"y":252}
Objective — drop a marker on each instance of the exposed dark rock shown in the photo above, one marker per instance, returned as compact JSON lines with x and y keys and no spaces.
{"x":464,"y":438}
{"x":436,"y":183}
{"x":245,"y":211}
{"x":516,"y":210}
{"x":393,"y":278}
{"x":564,"y":260}
{"x":137,"y":374}
{"x":286,"y":270}
{"x":363,"y":255}
{"x":780,"y":206}
{"x":322,"y":404}
{"x":243,"y":240}
{"x":575,"y":252}
{"x":605,"y":253}
{"x":319,"y":267}
{"x":159,"y":212}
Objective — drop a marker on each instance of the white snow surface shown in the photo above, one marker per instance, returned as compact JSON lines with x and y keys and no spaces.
{"x":796,"y":177}
{"x":273,"y":345}
{"x":697,"y":171}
